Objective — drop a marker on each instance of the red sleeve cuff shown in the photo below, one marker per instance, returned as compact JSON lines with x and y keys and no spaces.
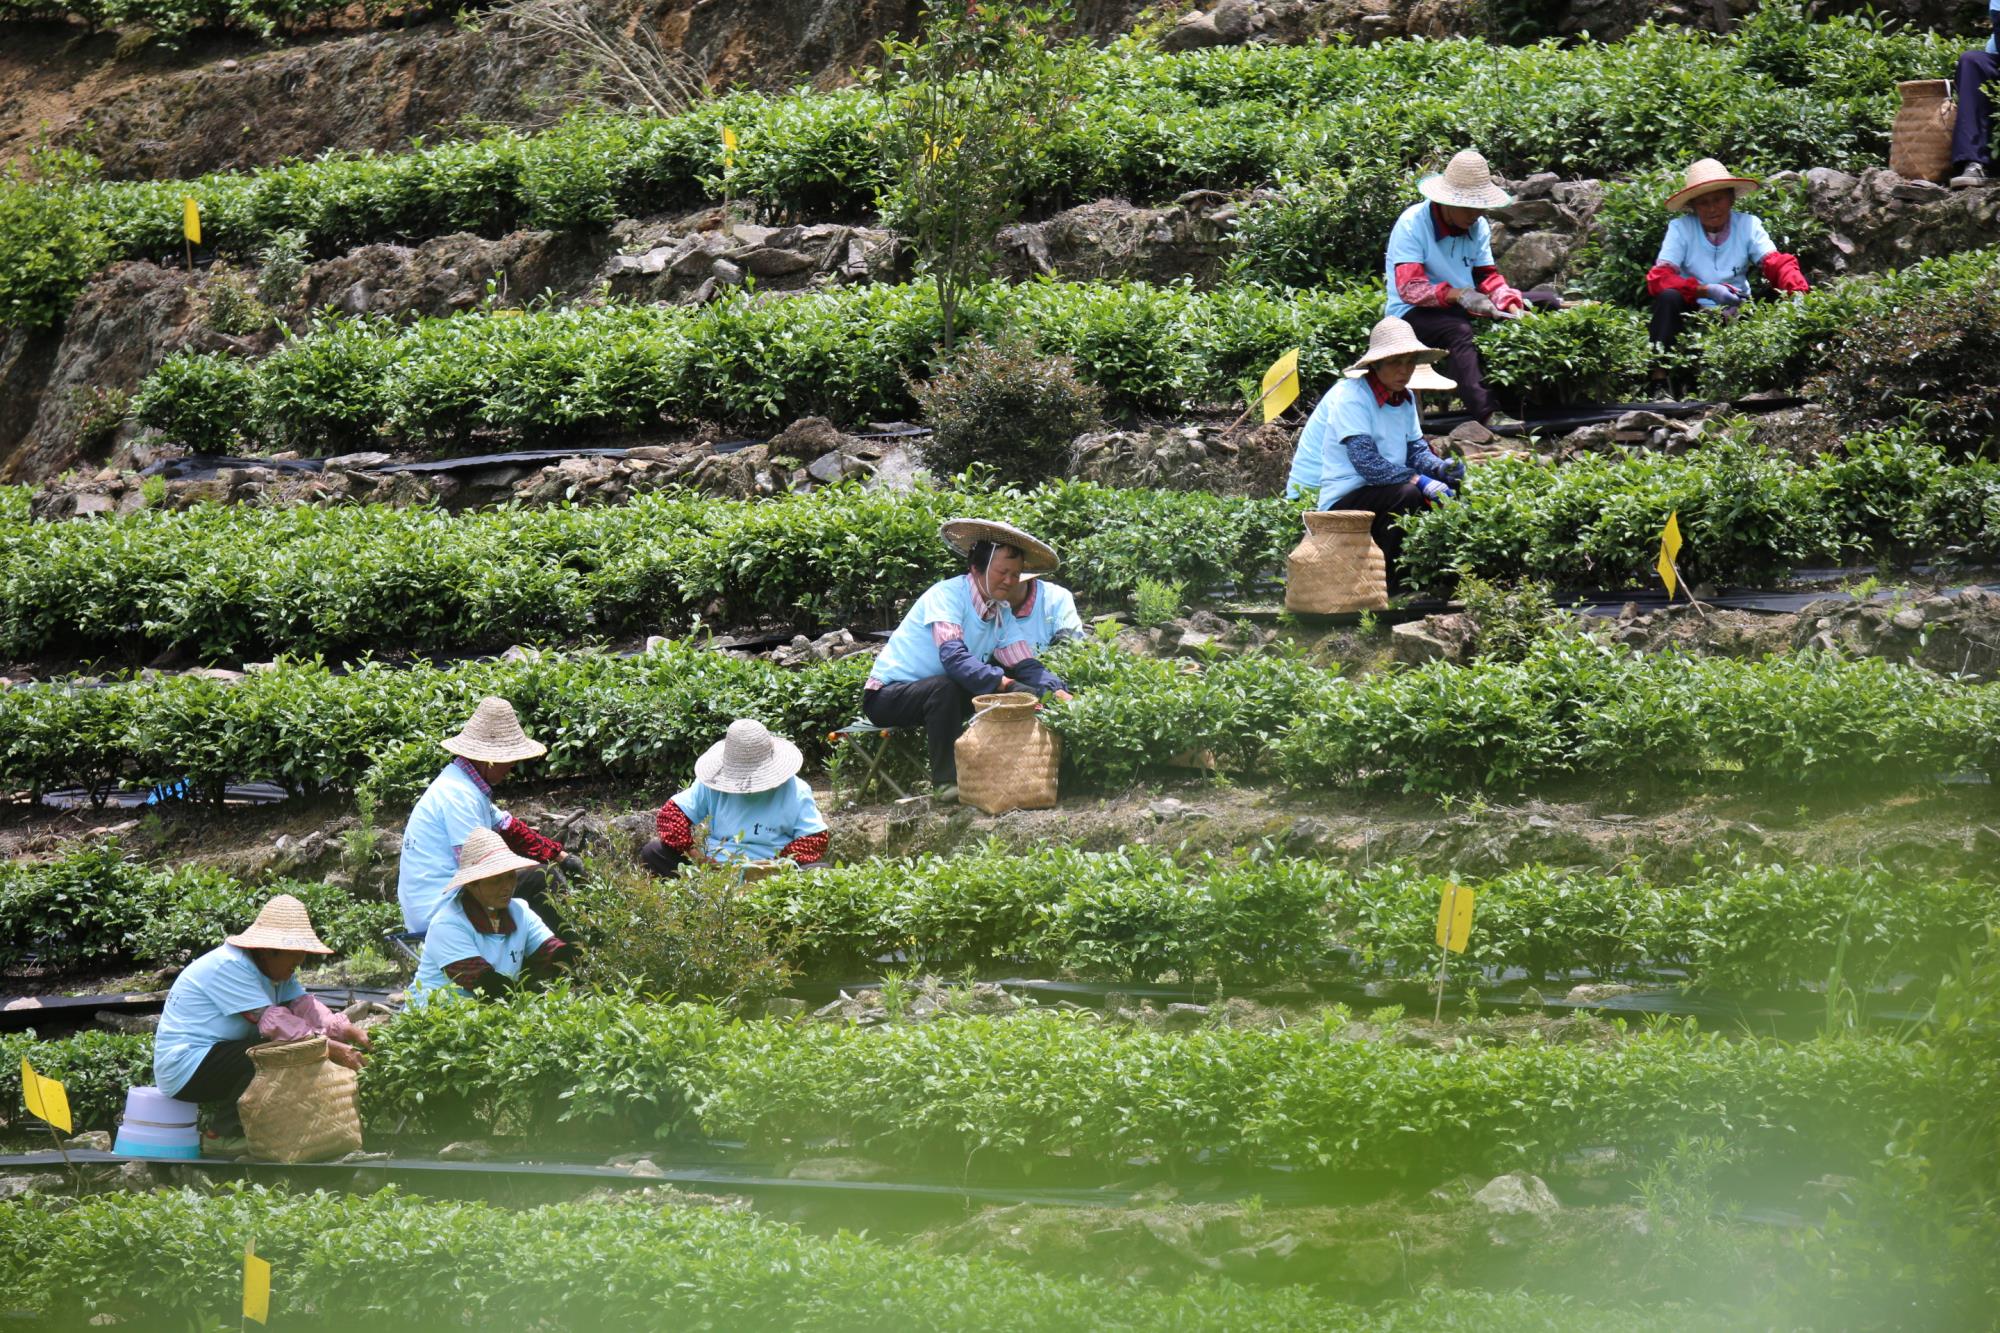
{"x":1782,"y":272}
{"x":807,"y":849}
{"x":674,"y":829}
{"x":524,"y":841}
{"x":1667,"y":278}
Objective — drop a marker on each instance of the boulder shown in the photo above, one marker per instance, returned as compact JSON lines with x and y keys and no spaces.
{"x":1445,"y":638}
{"x":1517,"y":1194}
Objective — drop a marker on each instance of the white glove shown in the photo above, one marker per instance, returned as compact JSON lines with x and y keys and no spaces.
{"x":1476,"y":302}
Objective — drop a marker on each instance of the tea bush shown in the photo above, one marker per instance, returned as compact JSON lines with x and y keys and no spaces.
{"x":1147,"y":126}
{"x":1007,"y":408}
{"x":95,"y":1068}
{"x":1929,"y":363}
{"x":176,"y":1257}
{"x":97,"y":907}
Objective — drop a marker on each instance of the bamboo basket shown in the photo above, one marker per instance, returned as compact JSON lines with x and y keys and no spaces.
{"x":1920,"y":145}
{"x":1338,"y":567}
{"x":301,"y":1107}
{"x":1007,"y":760}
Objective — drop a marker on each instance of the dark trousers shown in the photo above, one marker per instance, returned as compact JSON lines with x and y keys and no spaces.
{"x":936,"y":704}
{"x":1670,"y":312}
{"x":223,"y":1075}
{"x":1450,"y":328}
{"x":1386,"y":502}
{"x":1978,"y":73}
{"x":532,"y":886}
{"x":661,"y":859}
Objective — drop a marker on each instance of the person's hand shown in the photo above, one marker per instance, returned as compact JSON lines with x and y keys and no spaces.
{"x":1510,"y":302}
{"x":571,"y":866}
{"x":1063,"y":696}
{"x":1722,"y":294}
{"x":344,"y":1055}
{"x":1476,"y":302}
{"x":362,"y":1039}
{"x":1433,"y":489}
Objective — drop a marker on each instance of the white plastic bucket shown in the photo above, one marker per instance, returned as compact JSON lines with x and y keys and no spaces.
{"x":156,"y":1125}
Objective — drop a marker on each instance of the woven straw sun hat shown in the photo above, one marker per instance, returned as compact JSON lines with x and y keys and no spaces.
{"x":281,"y":923}
{"x":1423,"y":377}
{"x":1706,"y":177}
{"x":493,"y":734}
{"x":1393,"y":337}
{"x":961,"y":534}
{"x":485,"y":855}
{"x":748,"y":758}
{"x":1465,"y":182}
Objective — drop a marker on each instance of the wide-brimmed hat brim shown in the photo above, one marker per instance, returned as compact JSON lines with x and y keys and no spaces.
{"x":1425,"y":356}
{"x":1687,"y":194}
{"x":962,"y":534}
{"x":282,"y":923}
{"x":489,"y":753}
{"x":501,"y":863}
{"x":1430,"y":381}
{"x":783,"y":764}
{"x":1438,"y":190}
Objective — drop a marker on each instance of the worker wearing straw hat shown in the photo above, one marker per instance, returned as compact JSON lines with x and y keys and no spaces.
{"x":980,"y":632}
{"x":1363,"y":447}
{"x":482,"y":939}
{"x":1978,"y":84}
{"x":459,"y":800}
{"x":1708,"y":252}
{"x":748,"y":795}
{"x":1440,"y":272}
{"x":239,"y":994}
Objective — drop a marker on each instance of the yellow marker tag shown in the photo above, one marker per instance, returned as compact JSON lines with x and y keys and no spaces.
{"x":45,"y":1097}
{"x":1670,"y":547}
{"x":728,"y":147}
{"x":1281,"y":384}
{"x":256,"y":1286}
{"x":1454,"y":918}
{"x":191,"y":220}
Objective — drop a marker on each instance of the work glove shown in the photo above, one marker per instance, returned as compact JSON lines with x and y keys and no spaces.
{"x":1511,"y":303}
{"x":571,"y":866}
{"x":1476,"y":302}
{"x":1433,"y":489}
{"x":1723,"y":294}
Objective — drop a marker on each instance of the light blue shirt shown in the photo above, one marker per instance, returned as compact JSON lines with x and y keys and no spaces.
{"x":1350,"y":409}
{"x":444,"y":816}
{"x":752,"y":826}
{"x":1689,"y":250}
{"x":1415,"y":240}
{"x":912,"y":652}
{"x":453,"y":938}
{"x":206,"y":1006}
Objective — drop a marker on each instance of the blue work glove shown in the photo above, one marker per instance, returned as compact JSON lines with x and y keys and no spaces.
{"x":1433,"y":489}
{"x":1723,"y":294}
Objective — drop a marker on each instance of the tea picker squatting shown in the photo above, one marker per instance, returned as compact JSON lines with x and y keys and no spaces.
{"x":980,"y":632}
{"x":1363,"y":446}
{"x":482,"y":938}
{"x":748,"y":796}
{"x":460,"y":800}
{"x":1978,"y":83}
{"x":238,"y":995}
{"x":1707,"y":254}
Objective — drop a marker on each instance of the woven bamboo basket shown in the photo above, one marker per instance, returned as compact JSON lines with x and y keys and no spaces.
{"x":1007,"y":760}
{"x":301,"y":1107}
{"x":1920,"y":145}
{"x":1338,"y":567}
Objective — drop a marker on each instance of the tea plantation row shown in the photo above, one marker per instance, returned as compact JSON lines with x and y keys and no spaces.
{"x":1575,"y":708}
{"x":996,"y":1095}
{"x":389,"y":1261}
{"x":1139,"y":915}
{"x":1780,"y":92}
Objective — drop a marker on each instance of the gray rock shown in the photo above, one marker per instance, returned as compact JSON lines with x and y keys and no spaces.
{"x":468,"y":1150}
{"x":38,"y":1182}
{"x":726,"y":273}
{"x":784,"y":1007}
{"x":95,"y":1140}
{"x":1517,"y":1194}
{"x":1909,"y":619}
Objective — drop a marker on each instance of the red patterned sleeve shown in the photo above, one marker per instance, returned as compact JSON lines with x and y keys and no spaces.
{"x":1667,"y":278}
{"x":674,"y":829}
{"x":1413,"y":284}
{"x":807,"y":849}
{"x":554,"y":956}
{"x":1782,"y":272}
{"x":524,"y":841}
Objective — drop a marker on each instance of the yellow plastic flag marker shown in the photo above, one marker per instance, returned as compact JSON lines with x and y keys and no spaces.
{"x":1454,"y":918}
{"x":1281,"y":385}
{"x":256,"y":1285}
{"x":45,"y":1097}
{"x":191,"y":220}
{"x":728,"y":148}
{"x":1670,"y":546}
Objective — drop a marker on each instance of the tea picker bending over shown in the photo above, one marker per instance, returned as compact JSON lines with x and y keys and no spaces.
{"x":980,"y":632}
{"x":1363,"y":446}
{"x":482,"y":939}
{"x":460,"y":800}
{"x":749,"y":796}
{"x":238,"y":995}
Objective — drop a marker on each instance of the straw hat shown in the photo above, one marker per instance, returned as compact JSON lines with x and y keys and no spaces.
{"x":1393,"y":337}
{"x":494,"y":735}
{"x":281,"y":923}
{"x":484,"y":855}
{"x":1429,"y":380}
{"x":1706,"y":177}
{"x":1465,"y":182}
{"x":748,"y":758}
{"x":1037,"y":556}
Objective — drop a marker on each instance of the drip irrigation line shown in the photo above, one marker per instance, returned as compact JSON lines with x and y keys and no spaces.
{"x":25,"y":1011}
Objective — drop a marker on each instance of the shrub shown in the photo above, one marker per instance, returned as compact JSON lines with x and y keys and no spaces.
{"x":1008,"y":408}
{"x":201,"y":399}
{"x":689,"y":937}
{"x":1931,"y":363}
{"x":1325,"y":227}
